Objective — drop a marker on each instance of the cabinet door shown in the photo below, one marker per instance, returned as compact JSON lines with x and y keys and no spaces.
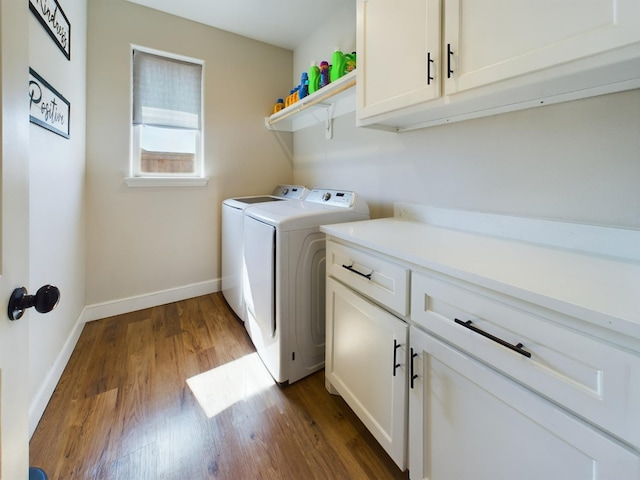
{"x":469,"y":422}
{"x":395,"y":41}
{"x":366,"y":363}
{"x":492,"y":41}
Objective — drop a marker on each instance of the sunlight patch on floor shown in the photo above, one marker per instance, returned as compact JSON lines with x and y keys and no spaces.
{"x":228,"y":384}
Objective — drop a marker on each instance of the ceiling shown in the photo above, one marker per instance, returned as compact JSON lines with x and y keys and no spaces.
{"x":284,"y":23}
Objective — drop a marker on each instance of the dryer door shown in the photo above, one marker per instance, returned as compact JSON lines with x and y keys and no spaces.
{"x":259,"y":255}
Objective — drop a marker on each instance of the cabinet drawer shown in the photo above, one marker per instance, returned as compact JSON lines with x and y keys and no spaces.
{"x":381,"y":280}
{"x":596,"y":380}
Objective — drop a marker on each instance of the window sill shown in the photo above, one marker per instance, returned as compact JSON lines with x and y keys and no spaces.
{"x":166,"y":181}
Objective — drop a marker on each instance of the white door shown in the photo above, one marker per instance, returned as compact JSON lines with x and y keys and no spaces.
{"x":14,"y":248}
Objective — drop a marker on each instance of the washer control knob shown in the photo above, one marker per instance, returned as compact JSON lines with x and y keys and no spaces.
{"x":326,"y":196}
{"x":285,"y":191}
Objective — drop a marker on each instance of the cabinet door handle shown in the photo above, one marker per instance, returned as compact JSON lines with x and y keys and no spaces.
{"x":413,"y":375}
{"x":429,"y":62}
{"x":396,"y":346}
{"x":516,"y":348}
{"x":351,"y":269}
{"x":449,"y":54}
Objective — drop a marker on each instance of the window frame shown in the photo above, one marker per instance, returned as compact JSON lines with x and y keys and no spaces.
{"x":136,"y":176}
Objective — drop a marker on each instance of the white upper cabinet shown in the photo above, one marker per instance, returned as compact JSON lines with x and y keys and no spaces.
{"x":501,"y":39}
{"x":399,"y":43}
{"x":427,"y":62}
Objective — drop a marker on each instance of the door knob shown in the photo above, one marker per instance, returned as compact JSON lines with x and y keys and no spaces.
{"x":45,"y":300}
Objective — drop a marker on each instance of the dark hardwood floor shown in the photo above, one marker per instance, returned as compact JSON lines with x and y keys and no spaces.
{"x":178,"y":392}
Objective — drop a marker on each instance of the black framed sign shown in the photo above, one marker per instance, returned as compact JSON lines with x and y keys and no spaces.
{"x":54,"y":21}
{"x":47,"y":107}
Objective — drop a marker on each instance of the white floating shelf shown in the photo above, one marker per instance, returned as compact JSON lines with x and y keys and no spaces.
{"x":336,"y":99}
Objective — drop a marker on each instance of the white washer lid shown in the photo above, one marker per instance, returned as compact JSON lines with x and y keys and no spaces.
{"x":318,"y":209}
{"x":280,"y":192}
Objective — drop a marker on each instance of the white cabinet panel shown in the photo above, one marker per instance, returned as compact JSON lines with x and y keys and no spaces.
{"x":384,"y":281}
{"x":590,"y":377}
{"x":500,"y":39}
{"x":366,"y":364}
{"x":428,"y":62}
{"x":469,"y":422}
{"x":395,"y":41}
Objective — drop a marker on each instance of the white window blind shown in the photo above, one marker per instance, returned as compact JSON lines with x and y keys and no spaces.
{"x":167,"y":122}
{"x":166,"y":92}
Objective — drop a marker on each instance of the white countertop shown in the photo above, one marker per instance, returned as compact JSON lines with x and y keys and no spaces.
{"x":598,"y":289}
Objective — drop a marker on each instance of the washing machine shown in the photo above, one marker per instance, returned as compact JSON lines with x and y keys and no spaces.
{"x":285,"y":263}
{"x":232,"y":258}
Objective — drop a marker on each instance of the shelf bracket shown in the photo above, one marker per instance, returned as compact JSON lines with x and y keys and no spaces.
{"x":328,"y":124}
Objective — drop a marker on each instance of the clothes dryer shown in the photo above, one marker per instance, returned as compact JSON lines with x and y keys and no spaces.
{"x":285,"y":291}
{"x":232,"y":258}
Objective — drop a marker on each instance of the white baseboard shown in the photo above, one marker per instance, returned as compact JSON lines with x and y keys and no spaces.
{"x":140,"y":302}
{"x":39,"y":403}
{"x":103,"y":310}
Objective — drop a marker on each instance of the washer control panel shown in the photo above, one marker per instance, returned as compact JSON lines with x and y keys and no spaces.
{"x":335,"y":198}
{"x":296,"y":192}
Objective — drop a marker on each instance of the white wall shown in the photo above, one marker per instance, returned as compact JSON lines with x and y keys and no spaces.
{"x":146,"y":241}
{"x":57,"y":212}
{"x":578,"y":161}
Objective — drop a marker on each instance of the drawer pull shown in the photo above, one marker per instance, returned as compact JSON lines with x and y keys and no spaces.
{"x":351,"y":269}
{"x":516,"y":348}
{"x":413,"y":375}
{"x":396,"y":346}
{"x":429,"y":62}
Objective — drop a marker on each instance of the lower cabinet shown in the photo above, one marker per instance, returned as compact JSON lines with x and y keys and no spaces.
{"x":366,"y":364}
{"x":468,"y":421}
{"x":475,"y":384}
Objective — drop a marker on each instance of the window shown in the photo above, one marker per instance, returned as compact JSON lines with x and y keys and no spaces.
{"x":167,"y":116}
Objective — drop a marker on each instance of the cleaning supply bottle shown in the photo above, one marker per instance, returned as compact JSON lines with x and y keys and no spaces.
{"x":350,"y":64}
{"x":324,"y":74}
{"x":278,"y":106}
{"x":303,"y":91}
{"x":338,"y":65}
{"x":292,"y":98}
{"x":314,"y":78}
